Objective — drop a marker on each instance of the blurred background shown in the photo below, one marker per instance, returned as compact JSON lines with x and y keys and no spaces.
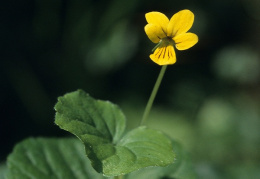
{"x":209,"y":100}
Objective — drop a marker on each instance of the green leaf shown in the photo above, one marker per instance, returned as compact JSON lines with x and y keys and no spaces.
{"x":100,"y":126}
{"x":181,"y":168}
{"x":43,"y":158}
{"x":140,"y":148}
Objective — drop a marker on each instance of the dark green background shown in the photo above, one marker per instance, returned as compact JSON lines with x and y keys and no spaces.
{"x":208,"y":101}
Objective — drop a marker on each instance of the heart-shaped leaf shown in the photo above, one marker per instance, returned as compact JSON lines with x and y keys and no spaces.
{"x":100,"y":126}
{"x":139,"y":148}
{"x":43,"y":158}
{"x":181,"y":168}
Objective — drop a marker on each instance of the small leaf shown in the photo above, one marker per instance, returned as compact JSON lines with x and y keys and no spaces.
{"x":93,"y":121}
{"x":100,"y":125}
{"x":44,"y":158}
{"x":181,"y":168}
{"x":96,"y":120}
{"x":140,"y":148}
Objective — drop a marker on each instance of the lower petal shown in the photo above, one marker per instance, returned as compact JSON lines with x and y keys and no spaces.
{"x":164,"y":55}
{"x":185,"y":41}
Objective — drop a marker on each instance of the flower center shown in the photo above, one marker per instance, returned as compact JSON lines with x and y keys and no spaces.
{"x":164,"y":42}
{"x":167,"y":41}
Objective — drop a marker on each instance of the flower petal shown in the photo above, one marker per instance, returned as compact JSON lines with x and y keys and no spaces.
{"x":154,"y":32}
{"x":158,"y":19}
{"x":164,"y":55}
{"x":185,"y":41}
{"x":180,"y":23}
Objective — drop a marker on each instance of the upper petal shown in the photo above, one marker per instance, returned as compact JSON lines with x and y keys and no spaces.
{"x":185,"y":41}
{"x":154,"y":32}
{"x":180,"y":23}
{"x":158,"y":19}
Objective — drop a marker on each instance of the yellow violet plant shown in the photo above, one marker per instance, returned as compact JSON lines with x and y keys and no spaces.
{"x":100,"y":128}
{"x":169,"y":33}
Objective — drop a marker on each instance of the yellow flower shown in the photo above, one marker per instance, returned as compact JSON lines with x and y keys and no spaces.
{"x":168,"y":33}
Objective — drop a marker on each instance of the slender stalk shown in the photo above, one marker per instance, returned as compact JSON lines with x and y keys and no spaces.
{"x":153,"y":94}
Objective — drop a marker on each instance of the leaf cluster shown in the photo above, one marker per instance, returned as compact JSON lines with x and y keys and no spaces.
{"x":110,"y":150}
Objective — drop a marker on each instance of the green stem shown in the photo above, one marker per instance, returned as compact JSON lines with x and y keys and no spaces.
{"x":156,"y":46}
{"x":153,"y":94}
